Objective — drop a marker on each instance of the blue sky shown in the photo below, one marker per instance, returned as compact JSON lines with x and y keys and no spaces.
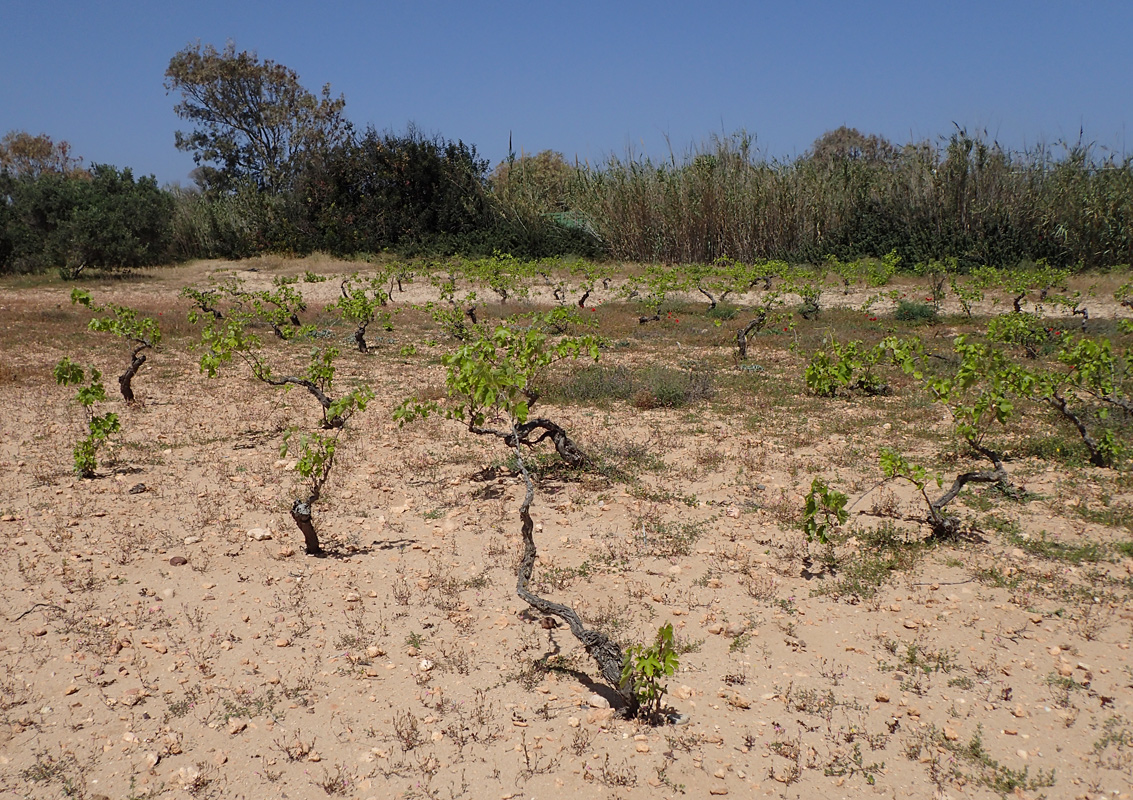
{"x":588,"y":78}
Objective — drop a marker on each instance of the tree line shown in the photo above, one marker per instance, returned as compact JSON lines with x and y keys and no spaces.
{"x":282,"y":169}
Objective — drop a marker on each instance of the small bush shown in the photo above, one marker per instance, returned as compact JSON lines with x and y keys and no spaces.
{"x":915,"y":312}
{"x":653,"y":387}
{"x":665,"y":387}
{"x":596,"y":383}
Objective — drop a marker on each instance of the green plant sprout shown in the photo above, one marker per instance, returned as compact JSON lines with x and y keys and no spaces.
{"x":362,"y":302}
{"x":100,"y":427}
{"x":501,"y":272}
{"x":978,"y":397}
{"x":455,"y":310}
{"x":651,"y":290}
{"x":493,"y":379}
{"x":316,"y":453}
{"x":894,"y":465}
{"x":849,"y":367}
{"x":1093,"y":381}
{"x":222,"y":339}
{"x":824,"y":510}
{"x":142,"y":333}
{"x":645,"y":667}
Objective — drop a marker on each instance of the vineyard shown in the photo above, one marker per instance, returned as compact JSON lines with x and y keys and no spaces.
{"x":499,"y":528}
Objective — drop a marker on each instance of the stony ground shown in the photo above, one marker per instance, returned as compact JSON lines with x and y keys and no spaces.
{"x":167,"y":637}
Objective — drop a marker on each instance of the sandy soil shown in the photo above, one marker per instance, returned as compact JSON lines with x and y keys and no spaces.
{"x":166,"y":637}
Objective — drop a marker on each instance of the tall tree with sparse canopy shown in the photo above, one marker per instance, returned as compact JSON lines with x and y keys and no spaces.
{"x":253,"y":119}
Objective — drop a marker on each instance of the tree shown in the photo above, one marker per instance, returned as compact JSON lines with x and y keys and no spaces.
{"x":535,"y":183}
{"x":409,"y":192}
{"x":24,"y":155}
{"x":253,"y":118}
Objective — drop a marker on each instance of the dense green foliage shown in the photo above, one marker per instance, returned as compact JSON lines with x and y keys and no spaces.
{"x":103,"y":220}
{"x":282,"y":170}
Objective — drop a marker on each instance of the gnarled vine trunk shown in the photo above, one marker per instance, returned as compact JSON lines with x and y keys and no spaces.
{"x":126,"y":378}
{"x":604,"y":650}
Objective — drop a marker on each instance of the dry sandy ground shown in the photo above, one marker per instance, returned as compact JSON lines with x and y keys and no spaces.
{"x":166,"y":637}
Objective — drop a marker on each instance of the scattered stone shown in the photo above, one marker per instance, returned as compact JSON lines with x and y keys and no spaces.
{"x":151,"y":759}
{"x":718,"y":790}
{"x":282,"y":642}
{"x":138,"y":488}
{"x":597,"y":701}
{"x":596,"y":716}
{"x":426,"y":665}
{"x":192,"y":539}
{"x":259,"y":534}
{"x":236,"y":725}
{"x":737,"y":700}
{"x":38,"y":631}
{"x":950,"y":733}
{"x":574,"y":722}
{"x":881,"y":697}
{"x":641,"y":747}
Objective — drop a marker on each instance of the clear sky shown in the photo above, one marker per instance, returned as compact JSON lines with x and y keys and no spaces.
{"x":588,"y":79}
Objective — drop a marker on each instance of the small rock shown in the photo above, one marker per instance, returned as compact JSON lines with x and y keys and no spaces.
{"x":373,"y":651}
{"x":718,"y":790}
{"x":38,"y":631}
{"x":881,"y":697}
{"x":574,"y":722}
{"x":1022,"y":754}
{"x":1019,"y":711}
{"x":236,"y":725}
{"x":426,"y":665}
{"x":641,"y":747}
{"x":178,"y":561}
{"x":950,"y":733}
{"x":596,"y":716}
{"x":597,"y":701}
{"x":682,"y":692}
{"x":259,"y":534}
{"x":737,"y":700}
{"x":192,"y":539}
{"x":151,"y":759}
{"x":282,"y":642}
{"x":137,"y":488}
